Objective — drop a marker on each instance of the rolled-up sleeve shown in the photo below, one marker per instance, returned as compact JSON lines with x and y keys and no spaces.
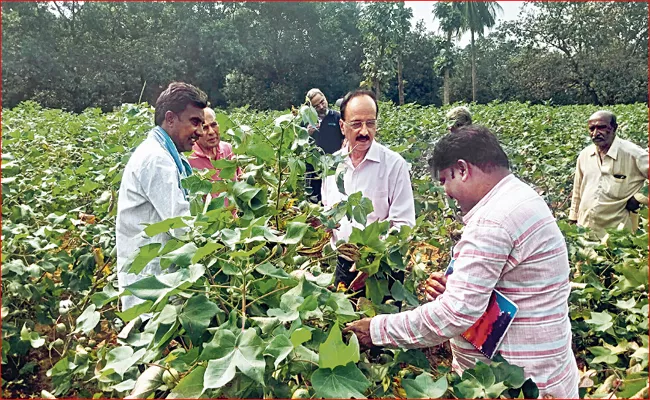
{"x":481,"y":256}
{"x":401,"y":203}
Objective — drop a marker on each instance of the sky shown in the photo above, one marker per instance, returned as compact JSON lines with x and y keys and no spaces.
{"x":423,"y":10}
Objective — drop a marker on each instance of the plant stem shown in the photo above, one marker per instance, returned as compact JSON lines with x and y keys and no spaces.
{"x":277,"y":201}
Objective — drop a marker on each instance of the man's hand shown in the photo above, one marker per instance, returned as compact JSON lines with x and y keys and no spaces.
{"x":311,"y":129}
{"x":632,"y":204}
{"x":361,"y":328}
{"x":435,"y":285}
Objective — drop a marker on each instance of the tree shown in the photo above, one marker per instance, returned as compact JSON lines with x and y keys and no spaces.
{"x":603,"y":45}
{"x":477,"y":15}
{"x":384,"y":27}
{"x":452,"y":25}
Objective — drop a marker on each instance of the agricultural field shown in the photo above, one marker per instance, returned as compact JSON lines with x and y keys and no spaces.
{"x":247,"y":311}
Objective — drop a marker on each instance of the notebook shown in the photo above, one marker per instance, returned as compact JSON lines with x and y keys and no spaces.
{"x":488,"y":331}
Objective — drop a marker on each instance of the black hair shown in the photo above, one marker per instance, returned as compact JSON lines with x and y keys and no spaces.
{"x":176,"y":98}
{"x":357,"y":93}
{"x":472,"y":143}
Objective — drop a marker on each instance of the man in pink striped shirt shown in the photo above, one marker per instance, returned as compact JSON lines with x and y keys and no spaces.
{"x":512,"y":243}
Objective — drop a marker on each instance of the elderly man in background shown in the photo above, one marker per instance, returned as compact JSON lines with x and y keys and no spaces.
{"x":327,"y":135}
{"x":210,"y":147}
{"x":151,"y":190}
{"x":458,"y":117}
{"x":512,"y":243}
{"x":379,"y":173}
{"x":609,"y":175}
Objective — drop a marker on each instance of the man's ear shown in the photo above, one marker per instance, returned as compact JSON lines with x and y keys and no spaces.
{"x":169,"y":117}
{"x":463,"y":169}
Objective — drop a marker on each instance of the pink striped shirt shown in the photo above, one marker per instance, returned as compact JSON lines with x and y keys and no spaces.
{"x":511,"y":243}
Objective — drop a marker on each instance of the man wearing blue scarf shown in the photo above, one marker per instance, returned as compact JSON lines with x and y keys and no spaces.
{"x":151,"y":189}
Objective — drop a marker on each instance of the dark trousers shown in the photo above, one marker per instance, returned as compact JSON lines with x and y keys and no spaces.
{"x":343,"y":274}
{"x":312,"y":185}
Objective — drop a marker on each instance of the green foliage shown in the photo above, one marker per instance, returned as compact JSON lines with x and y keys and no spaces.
{"x":247,"y":312}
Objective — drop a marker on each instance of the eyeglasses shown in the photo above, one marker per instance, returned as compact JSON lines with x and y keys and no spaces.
{"x":357,"y":125}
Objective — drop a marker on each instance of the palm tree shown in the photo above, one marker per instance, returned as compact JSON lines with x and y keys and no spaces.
{"x":452,"y":24}
{"x":478,"y":15}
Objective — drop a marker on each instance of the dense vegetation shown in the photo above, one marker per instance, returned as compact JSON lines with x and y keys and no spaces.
{"x":74,"y":54}
{"x":248,"y":312}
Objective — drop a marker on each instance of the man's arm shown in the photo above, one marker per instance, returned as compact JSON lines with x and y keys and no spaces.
{"x":642,"y":165}
{"x":401,"y":204}
{"x":576,"y":195}
{"x":482,"y":255}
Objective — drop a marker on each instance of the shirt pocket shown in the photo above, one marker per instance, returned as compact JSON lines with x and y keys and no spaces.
{"x":380,"y":204}
{"x":618,"y":186}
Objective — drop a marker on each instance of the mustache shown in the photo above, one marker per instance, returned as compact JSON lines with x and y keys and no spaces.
{"x":362,"y":138}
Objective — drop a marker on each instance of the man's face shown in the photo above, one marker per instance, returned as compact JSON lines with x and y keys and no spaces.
{"x":360,"y":126}
{"x":455,"y":184}
{"x":185,"y":128}
{"x":211,"y":137}
{"x":319,"y":102}
{"x":601,"y":130}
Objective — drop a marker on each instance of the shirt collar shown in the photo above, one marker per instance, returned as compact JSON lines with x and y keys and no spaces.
{"x":487,"y":197}
{"x":373,"y":154}
{"x":613,"y":149}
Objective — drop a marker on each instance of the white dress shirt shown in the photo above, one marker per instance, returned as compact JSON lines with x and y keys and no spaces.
{"x":383,"y":177}
{"x":149,"y":193}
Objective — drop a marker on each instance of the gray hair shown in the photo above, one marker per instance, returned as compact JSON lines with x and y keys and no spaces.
{"x":313,"y":92}
{"x":461,"y":115}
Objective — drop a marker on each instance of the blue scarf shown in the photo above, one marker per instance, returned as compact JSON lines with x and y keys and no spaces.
{"x":183,"y":166}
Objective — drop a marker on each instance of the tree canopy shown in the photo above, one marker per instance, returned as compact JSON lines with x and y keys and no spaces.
{"x":75,"y":55}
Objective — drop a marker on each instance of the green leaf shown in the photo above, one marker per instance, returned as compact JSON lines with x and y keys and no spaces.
{"x":180,"y":257}
{"x":300,"y":336}
{"x":279,"y":348}
{"x":602,"y":355}
{"x":603,"y":321}
{"x":424,"y":387}
{"x":196,"y":315}
{"x":245,"y":354}
{"x":33,"y":337}
{"x":399,"y":292}
{"x":207,"y":249}
{"x":263,"y":150}
{"x":268,"y":269}
{"x":333,"y":352}
{"x":190,"y":386}
{"x":142,"y":257}
{"x":164,"y":226}
{"x":342,"y":382}
{"x":120,"y":359}
{"x":87,"y":320}
{"x":295,"y":232}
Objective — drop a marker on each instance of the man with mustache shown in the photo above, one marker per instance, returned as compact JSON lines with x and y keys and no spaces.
{"x":380,"y":174}
{"x":609,"y":174}
{"x":151,"y":189}
{"x":210,"y":148}
{"x":327,"y":135}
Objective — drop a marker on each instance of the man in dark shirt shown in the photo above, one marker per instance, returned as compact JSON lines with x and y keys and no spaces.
{"x":327,"y":135}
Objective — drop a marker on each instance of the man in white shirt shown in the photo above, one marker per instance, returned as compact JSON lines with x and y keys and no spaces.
{"x":380,"y":174}
{"x":151,"y":190}
{"x":609,"y":175}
